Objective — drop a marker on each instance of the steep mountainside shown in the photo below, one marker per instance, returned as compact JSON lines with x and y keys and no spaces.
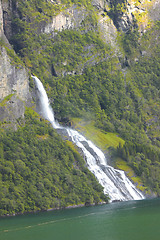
{"x":14,"y":82}
{"x":99,"y":62}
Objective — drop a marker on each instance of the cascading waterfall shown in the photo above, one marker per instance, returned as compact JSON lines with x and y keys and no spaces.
{"x":116,"y":185}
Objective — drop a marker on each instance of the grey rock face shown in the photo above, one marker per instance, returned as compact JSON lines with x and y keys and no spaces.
{"x":154,"y":12}
{"x":1,"y":21}
{"x":99,"y":4}
{"x":9,"y":9}
{"x":108,"y":30}
{"x":12,"y":79}
{"x":13,"y":82}
{"x":130,"y":13}
{"x":68,"y":19}
{"x":12,"y":109}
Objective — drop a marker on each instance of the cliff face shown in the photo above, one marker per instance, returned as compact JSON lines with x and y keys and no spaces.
{"x":69,"y":19}
{"x":12,"y":79}
{"x":132,"y":13}
{"x":1,"y":20}
{"x":14,"y":82}
{"x":112,"y":15}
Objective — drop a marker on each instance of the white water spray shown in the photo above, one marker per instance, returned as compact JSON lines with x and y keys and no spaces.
{"x":115,"y":182}
{"x":45,"y":108}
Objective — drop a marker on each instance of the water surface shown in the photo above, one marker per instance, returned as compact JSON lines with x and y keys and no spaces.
{"x":133,"y":220}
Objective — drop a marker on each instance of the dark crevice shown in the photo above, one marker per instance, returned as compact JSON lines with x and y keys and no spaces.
{"x":53,"y":71}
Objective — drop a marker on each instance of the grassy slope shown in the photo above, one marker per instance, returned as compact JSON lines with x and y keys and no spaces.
{"x":105,"y":140}
{"x":99,"y":137}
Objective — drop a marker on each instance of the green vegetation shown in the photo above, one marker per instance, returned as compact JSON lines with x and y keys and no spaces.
{"x":144,"y":159}
{"x":121,"y":164}
{"x":15,"y":60}
{"x":102,"y":139}
{"x":118,"y":99}
{"x":39,"y":171}
{"x":5,"y":100}
{"x":142,"y":79}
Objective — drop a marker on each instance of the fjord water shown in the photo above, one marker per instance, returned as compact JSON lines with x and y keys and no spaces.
{"x":132,"y":220}
{"x":114,"y":181}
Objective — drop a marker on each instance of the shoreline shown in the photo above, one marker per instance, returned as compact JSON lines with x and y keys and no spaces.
{"x":78,"y":206}
{"x":54,"y":209}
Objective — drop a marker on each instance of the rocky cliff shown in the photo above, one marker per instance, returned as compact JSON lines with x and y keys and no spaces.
{"x":112,"y":16}
{"x":14,"y":81}
{"x":132,"y":13}
{"x":1,"y":20}
{"x":122,"y":14}
{"x":14,"y":87}
{"x":68,"y":19}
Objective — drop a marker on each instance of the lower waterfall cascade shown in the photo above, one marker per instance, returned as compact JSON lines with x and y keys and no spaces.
{"x":115,"y":183}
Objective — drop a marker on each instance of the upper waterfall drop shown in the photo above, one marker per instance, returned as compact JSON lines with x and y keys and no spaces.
{"x":46,"y":109}
{"x":115,"y":182}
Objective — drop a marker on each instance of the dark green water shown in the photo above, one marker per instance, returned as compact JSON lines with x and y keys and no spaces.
{"x":134,"y":220}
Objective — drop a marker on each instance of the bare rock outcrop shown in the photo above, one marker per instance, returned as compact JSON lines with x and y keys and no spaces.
{"x":14,"y":80}
{"x":68,"y":19}
{"x":14,"y":83}
{"x":128,"y":14}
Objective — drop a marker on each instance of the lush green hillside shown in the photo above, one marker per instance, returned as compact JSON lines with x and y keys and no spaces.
{"x":118,"y":92}
{"x":39,"y":171}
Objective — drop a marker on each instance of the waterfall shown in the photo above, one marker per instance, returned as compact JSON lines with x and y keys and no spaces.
{"x":116,"y":185}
